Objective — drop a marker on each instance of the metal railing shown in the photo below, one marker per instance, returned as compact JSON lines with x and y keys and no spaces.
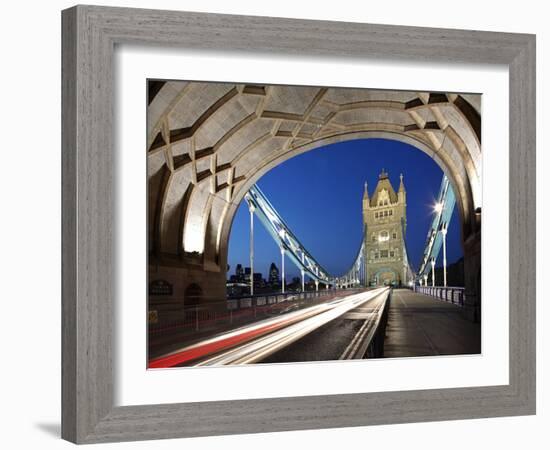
{"x":239,"y":310}
{"x":454,"y":295}
{"x":249,"y":301}
{"x":369,"y":340}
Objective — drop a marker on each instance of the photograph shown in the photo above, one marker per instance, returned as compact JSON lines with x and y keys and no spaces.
{"x":295,"y":224}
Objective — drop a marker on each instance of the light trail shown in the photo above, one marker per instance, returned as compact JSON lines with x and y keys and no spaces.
{"x":234,"y":337}
{"x":228,"y":341}
{"x":262,"y":347}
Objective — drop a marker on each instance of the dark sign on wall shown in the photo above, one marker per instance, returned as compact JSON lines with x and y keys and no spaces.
{"x":160,"y":287}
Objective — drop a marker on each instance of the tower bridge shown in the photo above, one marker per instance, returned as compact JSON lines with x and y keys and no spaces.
{"x":381,"y":262}
{"x":382,"y":259}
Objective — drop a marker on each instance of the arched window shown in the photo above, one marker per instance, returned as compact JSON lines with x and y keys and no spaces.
{"x":193,"y":295}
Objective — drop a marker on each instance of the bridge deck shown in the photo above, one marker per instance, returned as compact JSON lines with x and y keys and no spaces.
{"x":419,"y":325}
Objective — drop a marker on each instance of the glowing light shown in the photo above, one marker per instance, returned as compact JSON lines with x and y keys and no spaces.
{"x":193,"y":238}
{"x":438,"y":207}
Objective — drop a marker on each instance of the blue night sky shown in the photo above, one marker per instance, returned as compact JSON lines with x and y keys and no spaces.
{"x":319,"y":195}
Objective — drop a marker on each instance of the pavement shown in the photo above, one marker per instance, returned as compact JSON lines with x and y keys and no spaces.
{"x":419,"y":325}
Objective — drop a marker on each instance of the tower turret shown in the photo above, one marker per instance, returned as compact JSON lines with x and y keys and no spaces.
{"x":401,"y":193}
{"x":365,"y":202}
{"x":366,"y":193}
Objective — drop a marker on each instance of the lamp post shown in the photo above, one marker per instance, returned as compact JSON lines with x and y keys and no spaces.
{"x":433,"y":271}
{"x":282,"y":235}
{"x":444,"y":234}
{"x":251,"y":209}
{"x":303,"y":273}
{"x":283,"y":269}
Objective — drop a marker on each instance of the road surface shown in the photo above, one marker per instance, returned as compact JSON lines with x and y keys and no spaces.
{"x":320,"y":332}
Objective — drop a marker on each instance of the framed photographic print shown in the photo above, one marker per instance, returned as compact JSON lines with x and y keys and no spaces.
{"x":265,"y":229}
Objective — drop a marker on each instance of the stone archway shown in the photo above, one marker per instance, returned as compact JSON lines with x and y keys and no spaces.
{"x":386,"y":276}
{"x":209,"y":142}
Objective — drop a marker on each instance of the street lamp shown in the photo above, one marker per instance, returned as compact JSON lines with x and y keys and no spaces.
{"x":283,"y":269}
{"x":282,"y":236}
{"x":433,"y":272}
{"x":251,"y":209}
{"x":444,"y":234}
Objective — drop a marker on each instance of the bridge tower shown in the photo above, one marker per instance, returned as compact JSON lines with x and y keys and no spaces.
{"x":385,"y":224}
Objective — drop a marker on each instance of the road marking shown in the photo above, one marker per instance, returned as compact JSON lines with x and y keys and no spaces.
{"x":352,"y":350}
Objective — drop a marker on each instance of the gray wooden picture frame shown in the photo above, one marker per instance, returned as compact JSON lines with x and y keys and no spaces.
{"x":89,"y":37}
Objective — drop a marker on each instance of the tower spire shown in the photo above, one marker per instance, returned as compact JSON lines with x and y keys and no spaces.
{"x":401,"y":194}
{"x":401,"y":185}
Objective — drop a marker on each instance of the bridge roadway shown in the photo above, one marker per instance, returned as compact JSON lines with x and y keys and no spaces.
{"x":419,"y":325}
{"x":256,"y":341}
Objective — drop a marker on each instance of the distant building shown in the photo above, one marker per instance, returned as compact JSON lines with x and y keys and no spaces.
{"x":295,"y":284}
{"x":239,"y":273}
{"x":385,"y":221}
{"x":273,"y":275}
{"x":259,"y":281}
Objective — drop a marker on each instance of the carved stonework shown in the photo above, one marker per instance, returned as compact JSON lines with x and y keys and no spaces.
{"x":385,"y":219}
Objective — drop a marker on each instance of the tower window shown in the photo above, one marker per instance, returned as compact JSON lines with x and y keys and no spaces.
{"x":394,"y":235}
{"x":391,"y":212}
{"x":383,"y":253}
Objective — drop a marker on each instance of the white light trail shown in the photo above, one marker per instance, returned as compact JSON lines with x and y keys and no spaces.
{"x":262,"y":347}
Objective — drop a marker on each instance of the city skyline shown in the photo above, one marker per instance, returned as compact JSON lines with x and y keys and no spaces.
{"x":327,"y":216}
